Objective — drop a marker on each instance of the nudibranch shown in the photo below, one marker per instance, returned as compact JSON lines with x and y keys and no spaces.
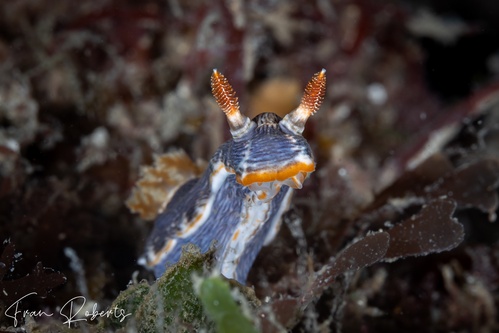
{"x":239,"y":200}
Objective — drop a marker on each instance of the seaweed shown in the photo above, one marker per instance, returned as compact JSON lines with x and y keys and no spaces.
{"x":219,"y":304}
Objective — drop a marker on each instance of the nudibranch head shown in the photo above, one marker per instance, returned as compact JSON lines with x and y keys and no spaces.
{"x":268,"y":151}
{"x":270,"y":156}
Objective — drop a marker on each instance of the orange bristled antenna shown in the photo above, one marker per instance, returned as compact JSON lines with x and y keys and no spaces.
{"x":314,"y":93}
{"x":310,"y":103}
{"x":227,"y":100}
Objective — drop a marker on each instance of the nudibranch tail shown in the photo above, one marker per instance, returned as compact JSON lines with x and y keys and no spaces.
{"x":227,"y":100}
{"x":310,"y":103}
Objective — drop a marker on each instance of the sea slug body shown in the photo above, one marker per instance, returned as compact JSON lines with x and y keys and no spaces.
{"x":240,"y":198}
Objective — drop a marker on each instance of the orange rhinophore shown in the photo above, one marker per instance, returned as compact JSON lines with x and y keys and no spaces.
{"x":227,"y":100}
{"x":310,"y":103}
